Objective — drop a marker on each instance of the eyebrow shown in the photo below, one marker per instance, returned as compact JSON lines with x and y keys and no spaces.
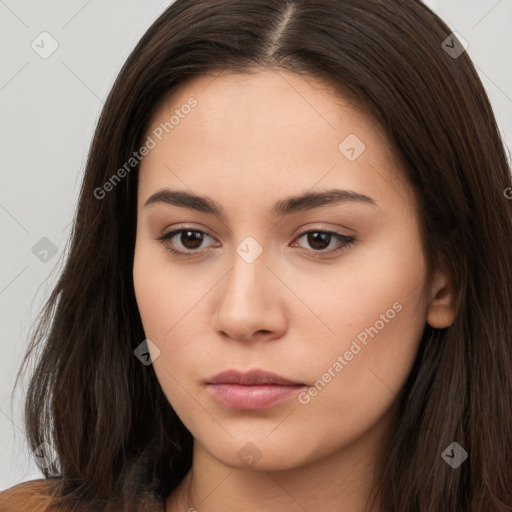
{"x":286,"y":206}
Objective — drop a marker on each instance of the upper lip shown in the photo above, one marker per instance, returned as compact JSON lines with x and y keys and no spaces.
{"x":252,"y":377}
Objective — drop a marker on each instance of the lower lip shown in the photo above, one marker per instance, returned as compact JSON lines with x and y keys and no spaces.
{"x":252,"y":397}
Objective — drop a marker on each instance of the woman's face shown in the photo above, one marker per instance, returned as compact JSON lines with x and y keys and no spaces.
{"x":255,"y":162}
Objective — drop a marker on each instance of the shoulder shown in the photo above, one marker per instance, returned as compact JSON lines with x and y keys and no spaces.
{"x":32,"y":496}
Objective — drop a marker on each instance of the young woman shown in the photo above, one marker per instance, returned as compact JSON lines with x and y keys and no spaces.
{"x":289,"y":284}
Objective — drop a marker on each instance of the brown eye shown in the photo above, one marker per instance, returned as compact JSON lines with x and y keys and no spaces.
{"x":319,"y":241}
{"x":191,"y":239}
{"x":188,"y":241}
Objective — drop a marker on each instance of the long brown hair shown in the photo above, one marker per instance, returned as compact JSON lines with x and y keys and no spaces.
{"x":119,"y":442}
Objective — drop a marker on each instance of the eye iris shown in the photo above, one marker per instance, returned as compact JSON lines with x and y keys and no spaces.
{"x":313,"y":239}
{"x":195,"y":236}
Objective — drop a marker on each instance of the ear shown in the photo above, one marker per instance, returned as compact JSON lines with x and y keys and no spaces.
{"x":441,"y":311}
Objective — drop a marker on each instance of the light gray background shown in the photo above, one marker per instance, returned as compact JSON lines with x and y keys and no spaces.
{"x":49,"y":111}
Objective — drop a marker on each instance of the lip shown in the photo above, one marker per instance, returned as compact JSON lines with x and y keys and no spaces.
{"x":256,"y":389}
{"x":252,"y":377}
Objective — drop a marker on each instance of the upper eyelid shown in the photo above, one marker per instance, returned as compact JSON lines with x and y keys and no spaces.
{"x":301,"y":232}
{"x":176,"y":230}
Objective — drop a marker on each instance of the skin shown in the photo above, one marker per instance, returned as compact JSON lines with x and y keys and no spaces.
{"x":250,"y":141}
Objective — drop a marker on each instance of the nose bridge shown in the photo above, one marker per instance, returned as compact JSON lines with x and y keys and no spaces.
{"x":249,"y":271}
{"x":247,"y":301}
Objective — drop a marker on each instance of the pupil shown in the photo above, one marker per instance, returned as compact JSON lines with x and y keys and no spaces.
{"x":195,"y":236}
{"x":313,"y":240}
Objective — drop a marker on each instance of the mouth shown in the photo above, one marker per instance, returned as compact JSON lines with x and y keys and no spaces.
{"x":256,"y":389}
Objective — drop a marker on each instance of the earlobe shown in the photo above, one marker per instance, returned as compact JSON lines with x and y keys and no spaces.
{"x":441,"y":310}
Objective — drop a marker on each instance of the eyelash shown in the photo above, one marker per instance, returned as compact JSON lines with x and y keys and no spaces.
{"x":348,"y":242}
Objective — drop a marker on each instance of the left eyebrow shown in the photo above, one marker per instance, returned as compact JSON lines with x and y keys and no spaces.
{"x":286,"y":206}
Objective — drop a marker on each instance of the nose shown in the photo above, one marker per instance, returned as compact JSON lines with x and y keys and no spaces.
{"x":250,"y":302}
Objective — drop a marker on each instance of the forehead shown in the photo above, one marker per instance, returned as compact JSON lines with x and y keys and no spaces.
{"x":263,"y":98}
{"x":252,"y":132}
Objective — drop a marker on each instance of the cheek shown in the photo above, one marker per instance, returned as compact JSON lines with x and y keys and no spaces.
{"x":355,"y":383}
{"x":376,"y":348}
{"x":171,"y":310}
{"x":152,"y":291}
{"x":376,"y":315}
{"x":159,"y":309}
